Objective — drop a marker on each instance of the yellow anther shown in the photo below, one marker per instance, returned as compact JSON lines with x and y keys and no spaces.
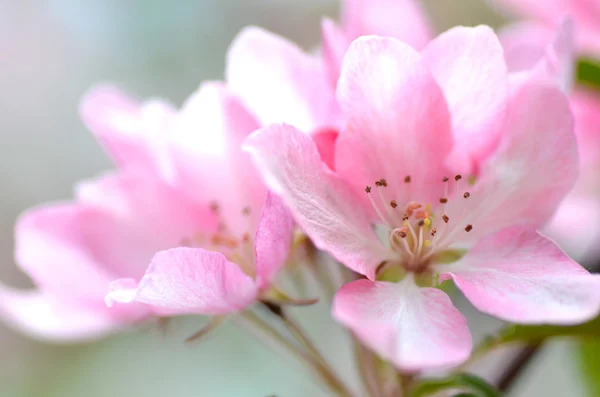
{"x":428,"y":208}
{"x":426,"y":243}
{"x":427,"y":221}
{"x":405,"y":223}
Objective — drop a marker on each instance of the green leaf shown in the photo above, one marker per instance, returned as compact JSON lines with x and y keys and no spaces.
{"x":465,"y":382}
{"x":588,"y":72}
{"x":588,"y":353}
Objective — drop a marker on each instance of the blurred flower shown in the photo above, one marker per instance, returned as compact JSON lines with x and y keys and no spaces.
{"x":549,"y":14}
{"x":182,"y":181}
{"x":395,"y":210}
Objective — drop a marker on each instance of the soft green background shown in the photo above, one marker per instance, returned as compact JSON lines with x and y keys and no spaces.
{"x":50,"y":52}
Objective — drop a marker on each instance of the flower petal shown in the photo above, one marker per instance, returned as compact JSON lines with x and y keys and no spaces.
{"x":520,"y":276}
{"x":415,"y":328}
{"x":398,"y":121}
{"x":335,"y":43}
{"x":273,"y":240}
{"x":188,"y":281}
{"x":136,"y":217}
{"x":534,"y":48}
{"x":523,"y":183}
{"x":47,"y":318}
{"x":52,"y":247}
{"x":205,"y":152}
{"x":468,"y":64}
{"x":405,"y":20}
{"x":129,"y":131}
{"x":278,"y":80}
{"x":321,"y":203}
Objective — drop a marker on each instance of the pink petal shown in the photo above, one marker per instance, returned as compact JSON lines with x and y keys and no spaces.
{"x":535,"y":48}
{"x":136,"y":217}
{"x":571,"y":227}
{"x":52,"y":247}
{"x":278,"y":80}
{"x":398,"y":121}
{"x":325,"y":139}
{"x":322,"y":204}
{"x":205,"y":152}
{"x":273,"y":240}
{"x":521,"y":276}
{"x":129,"y":131}
{"x":335,"y":42}
{"x":468,"y":64}
{"x":585,"y":104}
{"x":47,"y":318}
{"x":524,"y":183}
{"x":188,"y":281}
{"x":405,"y":20}
{"x":415,"y":328}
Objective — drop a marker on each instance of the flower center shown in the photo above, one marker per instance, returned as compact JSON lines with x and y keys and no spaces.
{"x":238,"y":248}
{"x":418,"y":231}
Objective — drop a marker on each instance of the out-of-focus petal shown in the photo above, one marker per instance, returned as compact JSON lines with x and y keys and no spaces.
{"x":47,"y":318}
{"x":520,"y":276}
{"x":415,"y":328}
{"x":273,"y":239}
{"x":188,"y":281}
{"x":131,"y":132}
{"x":321,"y":203}
{"x":278,"y":81}
{"x":398,"y":121}
{"x":405,"y":20}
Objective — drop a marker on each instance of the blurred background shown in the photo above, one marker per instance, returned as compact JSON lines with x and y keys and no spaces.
{"x":51,"y":52}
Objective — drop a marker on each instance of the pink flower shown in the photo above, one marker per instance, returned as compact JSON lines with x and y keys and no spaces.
{"x":549,"y":14}
{"x":398,"y":210}
{"x":281,"y":83}
{"x":182,"y":182}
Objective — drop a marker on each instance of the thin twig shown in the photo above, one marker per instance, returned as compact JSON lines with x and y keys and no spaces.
{"x":314,"y":365}
{"x":516,"y":366}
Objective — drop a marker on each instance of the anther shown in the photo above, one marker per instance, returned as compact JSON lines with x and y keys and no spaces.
{"x":458,"y":177}
{"x":467,"y":195}
{"x":402,"y":234}
{"x":421,"y":222}
{"x":246,"y":211}
{"x":383,"y":182}
{"x":445,"y":218}
{"x":407,"y":179}
{"x":368,"y":188}
{"x":378,"y":183}
{"x":405,"y":217}
{"x":445,"y":179}
{"x":421,"y":214}
{"x":393,"y":204}
{"x":443,"y":200}
{"x":426,"y":243}
{"x":433,"y":231}
{"x":246,"y":237}
{"x":469,"y":228}
{"x":214,"y":206}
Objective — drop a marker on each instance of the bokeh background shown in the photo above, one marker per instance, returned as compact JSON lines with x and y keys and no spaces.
{"x":51,"y":52}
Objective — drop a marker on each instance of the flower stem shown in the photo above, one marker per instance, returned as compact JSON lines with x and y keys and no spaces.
{"x":268,"y":335}
{"x":301,"y":336}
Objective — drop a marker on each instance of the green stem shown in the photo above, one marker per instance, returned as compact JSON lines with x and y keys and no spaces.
{"x":301,"y":336}
{"x":256,"y":323}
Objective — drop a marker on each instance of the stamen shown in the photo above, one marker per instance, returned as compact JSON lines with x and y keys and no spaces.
{"x":421,"y":214}
{"x":427,"y":243}
{"x":393,"y":204}
{"x":443,"y":200}
{"x":445,"y":179}
{"x":458,"y":177}
{"x":445,"y":218}
{"x":405,"y":217}
{"x":410,"y":228}
{"x":407,"y":179}
{"x":469,"y":228}
{"x":246,"y":211}
{"x":467,"y":195}
{"x":214,"y":207}
{"x":427,"y":222}
{"x":368,"y":189}
{"x":421,"y":222}
{"x":381,"y":182}
{"x":433,"y":231}
{"x":410,"y":207}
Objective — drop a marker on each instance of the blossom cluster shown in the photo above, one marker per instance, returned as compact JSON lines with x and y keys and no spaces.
{"x":410,"y":159}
